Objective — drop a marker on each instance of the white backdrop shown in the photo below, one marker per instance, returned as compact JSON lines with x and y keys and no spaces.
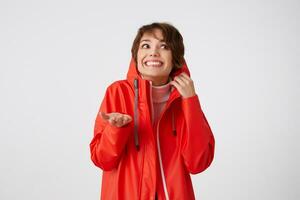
{"x":58,"y":57}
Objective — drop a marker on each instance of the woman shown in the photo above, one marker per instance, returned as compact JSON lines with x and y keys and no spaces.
{"x":150,"y":133}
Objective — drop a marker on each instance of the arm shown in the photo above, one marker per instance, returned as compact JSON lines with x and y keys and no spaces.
{"x":109,"y":141}
{"x":197,"y":142}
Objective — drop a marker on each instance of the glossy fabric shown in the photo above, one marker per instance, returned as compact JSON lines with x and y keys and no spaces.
{"x":186,"y":144}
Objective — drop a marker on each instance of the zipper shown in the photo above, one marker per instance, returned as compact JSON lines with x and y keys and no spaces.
{"x":158,"y":146}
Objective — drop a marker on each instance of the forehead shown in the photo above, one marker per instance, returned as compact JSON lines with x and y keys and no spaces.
{"x":155,"y":34}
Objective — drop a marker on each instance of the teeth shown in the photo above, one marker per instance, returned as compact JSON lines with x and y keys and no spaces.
{"x":153,"y":63}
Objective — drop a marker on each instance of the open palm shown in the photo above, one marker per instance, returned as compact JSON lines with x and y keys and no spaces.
{"x":116,"y":119}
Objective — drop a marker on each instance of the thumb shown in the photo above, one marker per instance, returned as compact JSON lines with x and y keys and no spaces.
{"x":104,"y":116}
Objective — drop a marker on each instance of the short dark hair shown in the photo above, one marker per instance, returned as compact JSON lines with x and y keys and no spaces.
{"x":172,"y":37}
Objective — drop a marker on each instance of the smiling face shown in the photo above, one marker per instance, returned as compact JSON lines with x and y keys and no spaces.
{"x":154,"y":58}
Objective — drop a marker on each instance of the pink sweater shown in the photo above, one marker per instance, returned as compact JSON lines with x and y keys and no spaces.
{"x":160,"y":95}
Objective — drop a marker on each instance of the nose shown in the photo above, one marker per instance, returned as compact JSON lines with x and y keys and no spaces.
{"x":154,"y":52}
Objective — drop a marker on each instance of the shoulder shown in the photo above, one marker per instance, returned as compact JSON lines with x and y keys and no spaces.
{"x":118,"y":86}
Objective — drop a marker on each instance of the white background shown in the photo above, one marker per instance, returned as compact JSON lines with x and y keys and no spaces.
{"x":58,"y":57}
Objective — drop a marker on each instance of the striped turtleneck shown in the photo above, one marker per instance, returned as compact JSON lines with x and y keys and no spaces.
{"x":160,"y":96}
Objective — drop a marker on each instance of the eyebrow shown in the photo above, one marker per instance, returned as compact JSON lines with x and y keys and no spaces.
{"x":146,"y":40}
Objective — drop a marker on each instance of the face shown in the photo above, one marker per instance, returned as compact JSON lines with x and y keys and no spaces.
{"x":154,"y":58}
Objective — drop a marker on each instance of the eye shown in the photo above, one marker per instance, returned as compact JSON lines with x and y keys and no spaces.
{"x":165,"y":46}
{"x":144,"y":46}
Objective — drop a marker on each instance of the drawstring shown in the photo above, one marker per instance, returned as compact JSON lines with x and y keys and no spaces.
{"x":173,"y":123}
{"x":173,"y":117}
{"x":136,"y":96}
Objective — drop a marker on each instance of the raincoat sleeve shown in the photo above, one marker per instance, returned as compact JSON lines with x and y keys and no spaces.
{"x":107,"y":145}
{"x":197,"y":140}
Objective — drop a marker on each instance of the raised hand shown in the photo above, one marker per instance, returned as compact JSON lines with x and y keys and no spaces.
{"x":184,"y":85}
{"x":116,"y":119}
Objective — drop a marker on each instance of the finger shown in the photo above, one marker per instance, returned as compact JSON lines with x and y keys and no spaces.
{"x":119,"y":120}
{"x":119,"y":124}
{"x":104,"y":116}
{"x":175,"y":84}
{"x":179,"y":80}
{"x":124,"y":121}
{"x":112,"y":121}
{"x":128,"y":117}
{"x":185,"y":76}
{"x":127,"y":120}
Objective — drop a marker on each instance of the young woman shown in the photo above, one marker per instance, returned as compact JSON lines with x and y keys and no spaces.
{"x":150,"y":133}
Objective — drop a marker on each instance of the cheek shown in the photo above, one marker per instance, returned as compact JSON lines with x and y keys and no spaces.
{"x":139,"y":57}
{"x":169,"y":58}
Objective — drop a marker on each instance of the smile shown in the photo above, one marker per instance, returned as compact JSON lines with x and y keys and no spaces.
{"x":153,"y":63}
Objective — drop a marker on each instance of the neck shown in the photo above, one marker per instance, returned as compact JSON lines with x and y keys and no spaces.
{"x":157,"y":81}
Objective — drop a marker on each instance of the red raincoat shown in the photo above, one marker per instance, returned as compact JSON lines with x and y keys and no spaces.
{"x":138,"y":160}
